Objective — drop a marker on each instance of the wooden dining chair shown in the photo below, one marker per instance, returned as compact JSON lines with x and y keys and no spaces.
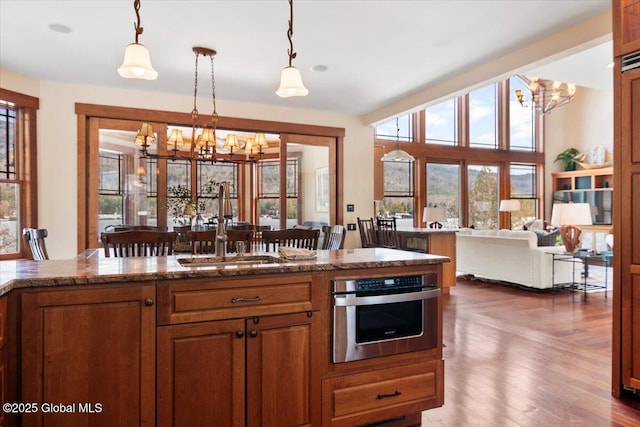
{"x":386,"y":223}
{"x":234,"y":236}
{"x":367,"y":230}
{"x":334,"y":236}
{"x":292,"y":237}
{"x":33,"y":239}
{"x":132,"y":243}
{"x":202,"y":241}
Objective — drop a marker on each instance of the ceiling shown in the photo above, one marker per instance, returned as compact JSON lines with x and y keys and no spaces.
{"x":376,"y":51}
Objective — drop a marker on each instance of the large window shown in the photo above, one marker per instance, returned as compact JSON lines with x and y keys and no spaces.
{"x":521,"y":119}
{"x":18,"y":194}
{"x":269,"y":193}
{"x":398,"y":193}
{"x":443,"y":190}
{"x":523,"y":179}
{"x":483,"y":197}
{"x":473,"y":153}
{"x":483,"y":117}
{"x":9,"y":183}
{"x":400,"y":129}
{"x":441,"y":123}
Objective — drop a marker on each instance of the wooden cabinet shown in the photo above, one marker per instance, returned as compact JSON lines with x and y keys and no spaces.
{"x":253,"y":370}
{"x":382,"y":394}
{"x":3,"y":356}
{"x":626,"y":267}
{"x":626,"y":26}
{"x":92,"y":353}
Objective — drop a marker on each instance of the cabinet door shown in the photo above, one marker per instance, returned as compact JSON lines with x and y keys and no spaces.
{"x":201,"y":374}
{"x":92,"y":352}
{"x":281,"y":381}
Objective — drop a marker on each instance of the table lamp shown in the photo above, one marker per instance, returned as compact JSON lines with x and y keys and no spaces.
{"x":509,"y":205}
{"x":434,"y":215}
{"x":568,"y":216}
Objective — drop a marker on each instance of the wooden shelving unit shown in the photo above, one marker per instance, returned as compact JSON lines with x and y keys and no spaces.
{"x":587,"y":179}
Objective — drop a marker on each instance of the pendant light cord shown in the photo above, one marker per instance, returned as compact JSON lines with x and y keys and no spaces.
{"x":138,"y":28}
{"x":290,"y":51}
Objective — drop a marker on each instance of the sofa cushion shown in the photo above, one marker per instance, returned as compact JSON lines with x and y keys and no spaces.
{"x":547,"y":238}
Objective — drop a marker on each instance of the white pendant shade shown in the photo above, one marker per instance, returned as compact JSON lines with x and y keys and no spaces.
{"x":397,"y":155}
{"x":291,"y":83}
{"x":137,"y":63}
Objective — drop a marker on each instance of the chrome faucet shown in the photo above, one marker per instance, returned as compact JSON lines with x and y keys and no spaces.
{"x":224,"y":213}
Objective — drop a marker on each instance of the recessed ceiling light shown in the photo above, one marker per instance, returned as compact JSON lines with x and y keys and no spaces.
{"x":319,"y":68}
{"x":59,"y":28}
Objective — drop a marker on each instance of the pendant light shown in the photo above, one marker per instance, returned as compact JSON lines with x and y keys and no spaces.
{"x":137,"y":62}
{"x":290,"y":79}
{"x":398,"y":155}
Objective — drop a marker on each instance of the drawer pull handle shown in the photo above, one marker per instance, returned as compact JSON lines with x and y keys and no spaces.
{"x":384,"y":396}
{"x":241,"y":299}
{"x":148,"y":302}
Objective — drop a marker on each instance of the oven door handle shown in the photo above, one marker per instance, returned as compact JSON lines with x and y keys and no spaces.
{"x":350,"y":300}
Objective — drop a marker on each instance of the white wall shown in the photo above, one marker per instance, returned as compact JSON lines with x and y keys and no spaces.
{"x":57,"y":147}
{"x":586,"y":124}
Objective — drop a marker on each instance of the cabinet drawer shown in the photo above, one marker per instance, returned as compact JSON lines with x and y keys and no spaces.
{"x":201,"y":300}
{"x":383,"y":394}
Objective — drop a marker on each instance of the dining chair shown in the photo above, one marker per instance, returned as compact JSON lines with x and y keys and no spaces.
{"x":33,"y":239}
{"x":132,"y":243}
{"x":292,"y":237}
{"x":387,"y":238}
{"x":386,"y":223}
{"x":234,"y":236}
{"x":202,"y":241}
{"x":367,"y":230}
{"x":334,"y":236}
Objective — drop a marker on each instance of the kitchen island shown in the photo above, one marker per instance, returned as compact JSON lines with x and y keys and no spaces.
{"x":148,"y":341}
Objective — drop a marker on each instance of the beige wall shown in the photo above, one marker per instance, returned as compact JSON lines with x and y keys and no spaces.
{"x":586,"y":124}
{"x":57,"y":147}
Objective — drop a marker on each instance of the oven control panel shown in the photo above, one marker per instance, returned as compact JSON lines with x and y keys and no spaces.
{"x":388,"y":282}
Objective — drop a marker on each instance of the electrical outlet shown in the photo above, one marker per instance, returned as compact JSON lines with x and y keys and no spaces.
{"x":350,"y":207}
{"x":351,"y":227}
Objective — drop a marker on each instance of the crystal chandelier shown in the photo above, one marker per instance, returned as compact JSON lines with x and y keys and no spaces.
{"x":547,"y":94}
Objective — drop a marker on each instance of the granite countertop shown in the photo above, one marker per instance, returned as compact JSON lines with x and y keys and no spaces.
{"x":91,"y":267}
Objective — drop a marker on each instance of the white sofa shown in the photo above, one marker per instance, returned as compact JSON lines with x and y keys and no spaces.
{"x":510,"y":256}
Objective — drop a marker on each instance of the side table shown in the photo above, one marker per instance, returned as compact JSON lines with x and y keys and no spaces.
{"x":605,"y":259}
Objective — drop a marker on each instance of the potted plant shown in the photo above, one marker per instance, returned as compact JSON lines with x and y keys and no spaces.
{"x":183,"y":207}
{"x":568,"y":158}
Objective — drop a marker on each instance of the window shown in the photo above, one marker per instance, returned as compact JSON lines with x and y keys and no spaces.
{"x":523,"y":179}
{"x":441,"y":123}
{"x":269,"y":193}
{"x":443,"y":190}
{"x":398,"y":193}
{"x":18,"y":194}
{"x":483,"y":197}
{"x":110,"y":189}
{"x":483,"y":117}
{"x":9,"y":184}
{"x":401,"y":131}
{"x":521,"y":119}
{"x":209,"y":175}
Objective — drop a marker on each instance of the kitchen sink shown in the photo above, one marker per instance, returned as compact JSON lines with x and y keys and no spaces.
{"x":228,"y":261}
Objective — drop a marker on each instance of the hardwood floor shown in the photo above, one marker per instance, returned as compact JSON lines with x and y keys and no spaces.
{"x":521,"y":358}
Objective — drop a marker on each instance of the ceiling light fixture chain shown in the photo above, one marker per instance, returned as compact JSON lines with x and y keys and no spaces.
{"x":290,"y":51}
{"x":398,"y":155}
{"x":136,"y":25}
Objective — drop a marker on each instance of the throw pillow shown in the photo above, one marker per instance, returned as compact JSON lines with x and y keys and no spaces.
{"x":547,"y":238}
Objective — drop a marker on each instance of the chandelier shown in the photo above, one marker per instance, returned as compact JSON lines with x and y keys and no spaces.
{"x":203,"y":147}
{"x":547,"y":94}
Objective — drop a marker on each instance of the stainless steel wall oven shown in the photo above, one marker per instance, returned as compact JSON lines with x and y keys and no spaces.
{"x":385,"y":315}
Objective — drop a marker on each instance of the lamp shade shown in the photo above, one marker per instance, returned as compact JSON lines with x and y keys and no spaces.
{"x":291,"y":83}
{"x":434,"y":214}
{"x":509,"y":205}
{"x":175,"y":139}
{"x":397,"y":155}
{"x":137,"y":63}
{"x":571,"y":214}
